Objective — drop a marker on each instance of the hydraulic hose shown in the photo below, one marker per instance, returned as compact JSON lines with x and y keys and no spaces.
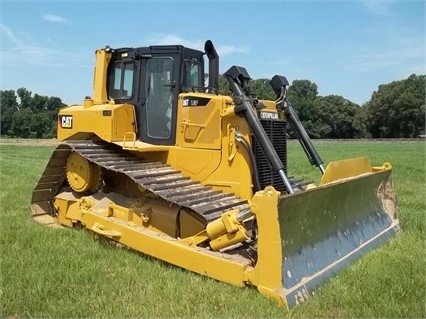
{"x":249,"y":150}
{"x":244,"y":106}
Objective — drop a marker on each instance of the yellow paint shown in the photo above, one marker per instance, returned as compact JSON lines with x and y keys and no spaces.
{"x":202,"y":133}
{"x":339,"y":170}
{"x":234,"y":172}
{"x":267,"y":275}
{"x":120,"y":224}
{"x":108,"y":121}
{"x":196,"y":163}
{"x":206,"y":150}
{"x":100,"y":77}
{"x":199,"y":126}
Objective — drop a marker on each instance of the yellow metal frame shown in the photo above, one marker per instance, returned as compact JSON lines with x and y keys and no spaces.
{"x":100,"y":77}
{"x":266,"y":275}
{"x":206,"y":150}
{"x":128,"y":227}
{"x":109,"y":122}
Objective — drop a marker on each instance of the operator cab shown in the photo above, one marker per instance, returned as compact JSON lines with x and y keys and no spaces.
{"x":151,"y":79}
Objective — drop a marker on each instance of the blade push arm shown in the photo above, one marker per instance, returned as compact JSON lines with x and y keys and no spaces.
{"x":279,"y":84}
{"x":238,"y":78}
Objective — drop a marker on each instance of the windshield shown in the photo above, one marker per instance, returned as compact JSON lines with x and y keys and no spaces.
{"x":193,"y":76}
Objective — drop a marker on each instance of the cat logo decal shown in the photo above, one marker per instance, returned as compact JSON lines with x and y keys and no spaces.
{"x":65,"y":121}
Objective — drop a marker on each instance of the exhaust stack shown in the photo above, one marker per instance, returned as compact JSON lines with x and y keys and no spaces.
{"x":213,"y":64}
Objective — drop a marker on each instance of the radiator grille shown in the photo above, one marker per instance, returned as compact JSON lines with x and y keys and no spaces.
{"x":276,"y":131}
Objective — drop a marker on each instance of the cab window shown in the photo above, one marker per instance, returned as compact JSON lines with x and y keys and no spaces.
{"x":122,"y":79}
{"x":159,"y":97}
{"x":193,"y":76}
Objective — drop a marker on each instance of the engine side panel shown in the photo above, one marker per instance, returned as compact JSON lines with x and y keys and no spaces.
{"x":108,"y":121}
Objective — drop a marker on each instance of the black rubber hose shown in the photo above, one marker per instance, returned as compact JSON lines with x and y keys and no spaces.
{"x":244,"y":107}
{"x":249,"y":150}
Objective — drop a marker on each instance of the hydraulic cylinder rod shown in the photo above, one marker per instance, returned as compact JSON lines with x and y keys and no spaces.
{"x":279,"y":84}
{"x":303,"y":137}
{"x":237,"y":76}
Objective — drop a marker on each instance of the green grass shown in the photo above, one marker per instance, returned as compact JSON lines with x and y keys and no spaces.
{"x":68,"y":273}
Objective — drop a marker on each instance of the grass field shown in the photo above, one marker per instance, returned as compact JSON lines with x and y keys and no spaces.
{"x":68,"y":273}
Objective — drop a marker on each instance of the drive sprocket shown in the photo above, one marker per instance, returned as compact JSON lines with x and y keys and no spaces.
{"x":82,"y":175}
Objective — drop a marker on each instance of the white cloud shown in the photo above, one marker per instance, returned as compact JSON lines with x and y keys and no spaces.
{"x":399,"y":54}
{"x":17,"y":52}
{"x":53,"y":18}
{"x":229,"y":49}
{"x":172,"y":39}
{"x":9,"y":35}
{"x":378,"y":7}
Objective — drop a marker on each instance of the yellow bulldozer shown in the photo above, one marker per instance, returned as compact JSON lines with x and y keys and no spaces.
{"x":159,"y":161}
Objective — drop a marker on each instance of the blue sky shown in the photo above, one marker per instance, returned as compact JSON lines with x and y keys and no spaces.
{"x":347,"y":48}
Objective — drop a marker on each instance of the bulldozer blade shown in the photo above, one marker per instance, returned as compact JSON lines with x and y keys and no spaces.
{"x":325,"y":228}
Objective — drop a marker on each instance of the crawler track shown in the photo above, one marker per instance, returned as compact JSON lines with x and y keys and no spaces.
{"x":159,"y":178}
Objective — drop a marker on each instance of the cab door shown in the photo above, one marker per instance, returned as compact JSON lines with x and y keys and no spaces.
{"x":159,"y":86}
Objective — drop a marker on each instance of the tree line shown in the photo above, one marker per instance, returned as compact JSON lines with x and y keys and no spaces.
{"x":395,"y":110}
{"x":28,"y":116}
